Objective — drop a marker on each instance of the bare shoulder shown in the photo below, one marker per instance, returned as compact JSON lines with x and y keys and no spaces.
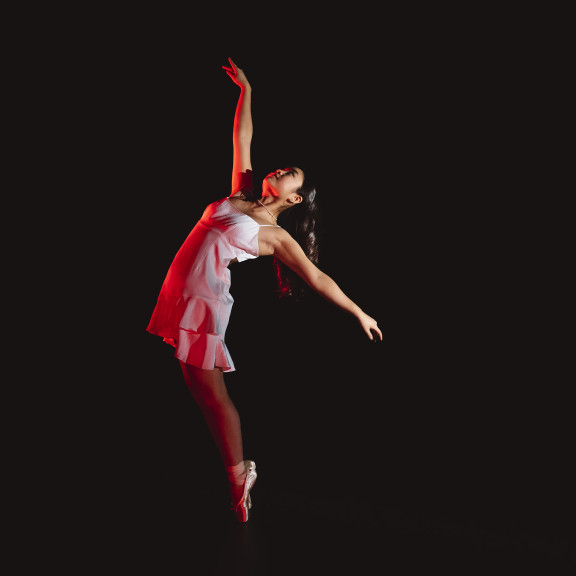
{"x":272,"y":239}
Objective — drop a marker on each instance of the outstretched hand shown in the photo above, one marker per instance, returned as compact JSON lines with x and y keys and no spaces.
{"x":236,"y":74}
{"x":370,"y":326}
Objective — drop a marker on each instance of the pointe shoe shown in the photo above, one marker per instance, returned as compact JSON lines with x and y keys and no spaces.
{"x":241,"y":509}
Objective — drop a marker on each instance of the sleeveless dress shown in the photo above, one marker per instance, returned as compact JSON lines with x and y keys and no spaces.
{"x":194,"y":305}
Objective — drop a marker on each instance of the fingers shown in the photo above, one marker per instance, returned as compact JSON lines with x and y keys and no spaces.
{"x":374,"y":333}
{"x":370,"y":326}
{"x":232,"y":73}
{"x":232,"y":69}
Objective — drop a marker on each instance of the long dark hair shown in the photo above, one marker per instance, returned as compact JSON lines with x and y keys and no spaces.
{"x":302,"y":221}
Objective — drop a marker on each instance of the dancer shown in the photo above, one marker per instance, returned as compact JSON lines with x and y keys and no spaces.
{"x":194,"y":305}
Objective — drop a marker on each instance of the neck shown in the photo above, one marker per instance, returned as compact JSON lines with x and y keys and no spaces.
{"x":275,"y":219}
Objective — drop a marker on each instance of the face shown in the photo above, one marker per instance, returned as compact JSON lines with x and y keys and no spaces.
{"x":283,"y":182}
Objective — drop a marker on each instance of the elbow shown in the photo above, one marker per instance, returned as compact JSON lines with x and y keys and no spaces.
{"x":245,"y":137}
{"x":319,"y":282}
{"x":242,"y":137}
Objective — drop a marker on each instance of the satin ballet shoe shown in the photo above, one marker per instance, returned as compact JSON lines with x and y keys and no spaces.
{"x":241,"y":509}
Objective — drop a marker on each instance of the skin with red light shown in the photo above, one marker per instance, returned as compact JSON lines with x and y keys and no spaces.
{"x":279,"y":193}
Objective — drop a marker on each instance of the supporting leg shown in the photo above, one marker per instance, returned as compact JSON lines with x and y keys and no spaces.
{"x":209,"y":392}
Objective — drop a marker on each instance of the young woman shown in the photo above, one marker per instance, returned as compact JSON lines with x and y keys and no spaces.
{"x":194,"y":304}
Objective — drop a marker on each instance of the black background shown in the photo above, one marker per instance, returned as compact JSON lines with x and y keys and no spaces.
{"x":454,"y":428}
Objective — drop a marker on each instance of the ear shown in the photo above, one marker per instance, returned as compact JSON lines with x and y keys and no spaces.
{"x":295,"y":199}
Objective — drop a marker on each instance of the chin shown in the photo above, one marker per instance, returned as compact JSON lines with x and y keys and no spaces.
{"x":268,"y":189}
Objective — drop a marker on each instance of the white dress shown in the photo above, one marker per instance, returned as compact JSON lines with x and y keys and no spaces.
{"x":194,"y":305}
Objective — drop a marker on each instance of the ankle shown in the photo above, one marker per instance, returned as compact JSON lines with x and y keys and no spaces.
{"x":236,"y":474}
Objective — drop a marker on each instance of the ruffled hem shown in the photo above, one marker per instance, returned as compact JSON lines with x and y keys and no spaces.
{"x":195,"y":327}
{"x":206,"y":351}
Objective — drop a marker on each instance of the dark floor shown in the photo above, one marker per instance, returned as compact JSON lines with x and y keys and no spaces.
{"x":299,"y":526}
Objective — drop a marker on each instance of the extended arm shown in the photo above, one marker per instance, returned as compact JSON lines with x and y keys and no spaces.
{"x":242,"y":130}
{"x":288,"y":251}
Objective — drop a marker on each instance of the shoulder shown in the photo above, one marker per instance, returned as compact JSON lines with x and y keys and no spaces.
{"x":279,"y":242}
{"x":276,"y":234}
{"x":273,"y":239}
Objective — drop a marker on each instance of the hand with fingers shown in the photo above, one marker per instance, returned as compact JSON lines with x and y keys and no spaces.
{"x":370,"y":326}
{"x":237,"y":74}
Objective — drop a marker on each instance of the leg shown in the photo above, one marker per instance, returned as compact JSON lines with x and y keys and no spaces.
{"x":209,"y":392}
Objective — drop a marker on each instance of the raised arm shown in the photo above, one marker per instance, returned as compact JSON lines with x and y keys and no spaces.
{"x":242,"y":131}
